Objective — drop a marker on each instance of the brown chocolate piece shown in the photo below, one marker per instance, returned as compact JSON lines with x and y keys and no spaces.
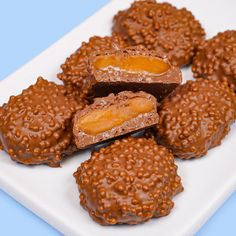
{"x":196,"y":117}
{"x":113,"y":116}
{"x":216,"y":58}
{"x":128,"y":182}
{"x":160,"y":27}
{"x":36,"y":127}
{"x":134,"y":69}
{"x":74,"y":70}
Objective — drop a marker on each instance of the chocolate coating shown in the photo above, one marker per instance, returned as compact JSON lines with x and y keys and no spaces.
{"x":128,"y":182}
{"x":81,"y":96}
{"x":196,"y":117}
{"x":74,"y":70}
{"x":216,"y":58}
{"x":35,"y":126}
{"x":115,"y":81}
{"x":160,"y":27}
{"x":142,"y":121}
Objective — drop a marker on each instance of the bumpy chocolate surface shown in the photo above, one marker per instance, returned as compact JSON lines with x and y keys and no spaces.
{"x":160,"y":27}
{"x":128,"y":182}
{"x":36,"y":127}
{"x":196,"y":117}
{"x":145,"y":120}
{"x":74,"y":70}
{"x":216,"y":58}
{"x":80,"y":95}
{"x":113,"y":80}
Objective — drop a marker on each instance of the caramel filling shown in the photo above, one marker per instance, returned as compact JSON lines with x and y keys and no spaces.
{"x":142,"y":64}
{"x":101,"y":120}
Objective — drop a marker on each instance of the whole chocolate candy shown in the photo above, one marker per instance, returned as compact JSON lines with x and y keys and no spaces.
{"x":128,"y":182}
{"x":35,"y":126}
{"x":160,"y":27}
{"x":196,"y":117}
{"x":216,"y":58}
{"x":134,"y":69}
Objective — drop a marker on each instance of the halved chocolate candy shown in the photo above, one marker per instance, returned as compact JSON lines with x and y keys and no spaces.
{"x":134,"y":69}
{"x":113,"y":116}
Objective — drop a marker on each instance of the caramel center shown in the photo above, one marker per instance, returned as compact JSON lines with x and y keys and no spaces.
{"x":143,"y":64}
{"x":101,"y":120}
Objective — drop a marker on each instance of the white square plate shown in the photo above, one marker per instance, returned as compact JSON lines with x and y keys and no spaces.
{"x":52,"y":193}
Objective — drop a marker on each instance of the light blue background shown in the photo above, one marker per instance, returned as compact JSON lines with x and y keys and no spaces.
{"x":27,"y":28}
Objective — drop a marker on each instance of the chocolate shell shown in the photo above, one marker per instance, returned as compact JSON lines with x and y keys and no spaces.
{"x":133,"y":69}
{"x":36,"y":126}
{"x":196,"y":117}
{"x":160,"y":27}
{"x":128,"y":182}
{"x":216,"y":58}
{"x":113,"y":116}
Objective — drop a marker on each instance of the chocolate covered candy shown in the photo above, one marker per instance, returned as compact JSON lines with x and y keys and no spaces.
{"x":133,"y":69}
{"x":128,"y":182}
{"x":35,"y":126}
{"x":113,"y":116}
{"x":160,"y":27}
{"x":196,"y":117}
{"x":216,"y":58}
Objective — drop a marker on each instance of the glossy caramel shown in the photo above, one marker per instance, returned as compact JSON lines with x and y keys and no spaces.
{"x":142,"y":64}
{"x":101,"y":120}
